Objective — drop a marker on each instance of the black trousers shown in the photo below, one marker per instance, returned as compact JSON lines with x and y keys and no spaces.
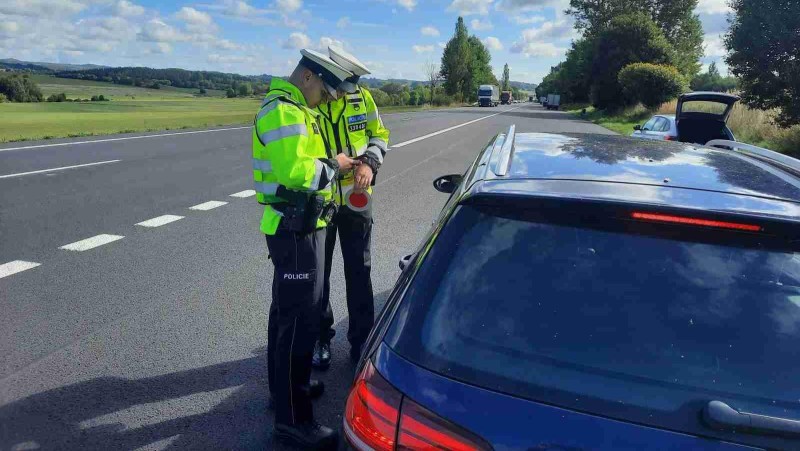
{"x":355,"y":233}
{"x":294,"y":320}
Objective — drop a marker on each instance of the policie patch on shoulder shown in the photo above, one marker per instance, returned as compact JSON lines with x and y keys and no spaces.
{"x":357,"y":118}
{"x":357,"y":122}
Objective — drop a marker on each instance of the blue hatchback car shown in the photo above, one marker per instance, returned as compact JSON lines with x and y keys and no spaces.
{"x":594,"y":293}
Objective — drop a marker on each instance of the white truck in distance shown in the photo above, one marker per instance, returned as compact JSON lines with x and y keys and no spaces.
{"x":488,"y":95}
{"x":553,"y":101}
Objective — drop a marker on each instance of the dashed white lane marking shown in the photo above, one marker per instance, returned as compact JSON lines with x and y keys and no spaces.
{"x":429,"y":135}
{"x":39,"y":146}
{"x":159,"y":221}
{"x":16,"y":266}
{"x":20,"y":174}
{"x":246,"y":193}
{"x":205,"y":206}
{"x":91,"y":243}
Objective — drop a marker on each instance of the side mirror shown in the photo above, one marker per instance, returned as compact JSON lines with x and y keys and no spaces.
{"x":448,"y":183}
{"x":637,"y":127}
{"x":405,"y":261}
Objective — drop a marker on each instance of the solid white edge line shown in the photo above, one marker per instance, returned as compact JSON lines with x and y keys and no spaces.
{"x":210,"y":205}
{"x":245,"y":193}
{"x":429,"y":135}
{"x":91,"y":243}
{"x":159,"y":221}
{"x":20,"y":174}
{"x":105,"y":140}
{"x":7,"y":269}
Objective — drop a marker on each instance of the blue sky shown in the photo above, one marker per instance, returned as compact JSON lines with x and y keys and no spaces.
{"x":394,"y":37}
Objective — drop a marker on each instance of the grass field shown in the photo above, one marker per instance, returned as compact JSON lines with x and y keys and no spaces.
{"x":131,"y":109}
{"x":24,"y":121}
{"x":85,"y":89}
{"x":749,"y":126}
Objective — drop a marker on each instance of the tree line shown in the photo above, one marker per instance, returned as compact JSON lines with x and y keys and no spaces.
{"x":648,"y":51}
{"x":146,"y":77}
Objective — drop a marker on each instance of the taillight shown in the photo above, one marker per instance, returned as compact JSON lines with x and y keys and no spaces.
{"x":656,"y":217}
{"x":378,"y":417}
{"x":372,"y":412}
{"x":669,"y":138}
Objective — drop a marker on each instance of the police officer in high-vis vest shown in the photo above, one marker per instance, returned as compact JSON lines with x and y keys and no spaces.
{"x":294,"y":170}
{"x":353,"y":126}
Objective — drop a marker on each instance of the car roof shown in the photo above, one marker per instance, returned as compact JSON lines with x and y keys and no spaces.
{"x":626,"y":169}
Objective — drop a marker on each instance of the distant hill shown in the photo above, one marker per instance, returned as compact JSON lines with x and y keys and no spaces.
{"x":13,"y":63}
{"x":524,"y":86}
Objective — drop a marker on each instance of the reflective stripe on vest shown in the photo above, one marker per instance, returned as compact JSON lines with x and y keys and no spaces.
{"x":283,"y":132}
{"x":262,"y":165}
{"x":267,"y":189}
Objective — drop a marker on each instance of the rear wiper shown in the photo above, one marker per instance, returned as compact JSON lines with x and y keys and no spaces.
{"x":721,"y":416}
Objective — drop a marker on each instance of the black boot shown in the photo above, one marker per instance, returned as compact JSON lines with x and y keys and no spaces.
{"x":321,"y":359}
{"x":307,"y":436}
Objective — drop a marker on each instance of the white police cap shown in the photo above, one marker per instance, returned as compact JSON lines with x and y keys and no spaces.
{"x":331,"y":73}
{"x":347,"y":61}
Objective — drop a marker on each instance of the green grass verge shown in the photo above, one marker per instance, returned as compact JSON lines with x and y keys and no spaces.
{"x":621,"y":122}
{"x":46,"y":120}
{"x":26,"y":121}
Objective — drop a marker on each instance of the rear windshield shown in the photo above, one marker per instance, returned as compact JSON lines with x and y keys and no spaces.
{"x":697,"y":106}
{"x":612,"y":319}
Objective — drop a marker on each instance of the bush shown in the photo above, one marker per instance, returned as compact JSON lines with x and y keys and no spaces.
{"x":230,"y":93}
{"x":102,"y":98}
{"x":650,"y":84}
{"x":20,"y":88}
{"x":442,"y":99}
{"x":95,"y":99}
{"x":380,"y":97}
{"x":3,"y":98}
{"x":632,"y":38}
{"x":57,"y":97}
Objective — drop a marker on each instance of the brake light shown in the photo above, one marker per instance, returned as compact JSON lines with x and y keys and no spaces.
{"x":695,"y":221}
{"x":378,"y":417}
{"x":372,"y":412}
{"x":669,"y":138}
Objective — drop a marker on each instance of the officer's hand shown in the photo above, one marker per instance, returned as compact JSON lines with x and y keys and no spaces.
{"x":363,"y":177}
{"x":346,"y":163}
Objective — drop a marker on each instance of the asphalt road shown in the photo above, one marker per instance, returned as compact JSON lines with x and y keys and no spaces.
{"x":156,"y":339}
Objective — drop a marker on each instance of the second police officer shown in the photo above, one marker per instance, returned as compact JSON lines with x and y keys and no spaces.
{"x":354,"y":127}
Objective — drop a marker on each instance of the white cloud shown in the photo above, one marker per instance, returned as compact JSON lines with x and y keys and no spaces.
{"x":561,"y":29}
{"x":714,"y":46}
{"x":125,"y":8}
{"x":441,"y":45}
{"x":162,"y":47}
{"x":42,"y":8}
{"x":479,"y":25}
{"x":228,"y":59}
{"x":537,"y":49}
{"x":344,"y":22}
{"x":493,"y":43}
{"x":325,"y":42}
{"x":114,"y":29}
{"x":469,"y":7}
{"x":8,"y":28}
{"x":713,"y":6}
{"x":532,"y":5}
{"x":157,"y":31}
{"x":194,"y":17}
{"x":289,"y":6}
{"x":422,"y":48}
{"x":429,"y":31}
{"x":297,"y":40}
{"x":225,"y":44}
{"x":407,"y":4}
{"x":523,"y":20}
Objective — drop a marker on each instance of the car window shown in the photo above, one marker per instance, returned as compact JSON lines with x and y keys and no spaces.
{"x":662,"y":125}
{"x":608,"y":320}
{"x":703,"y":106}
{"x":649,"y":124}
